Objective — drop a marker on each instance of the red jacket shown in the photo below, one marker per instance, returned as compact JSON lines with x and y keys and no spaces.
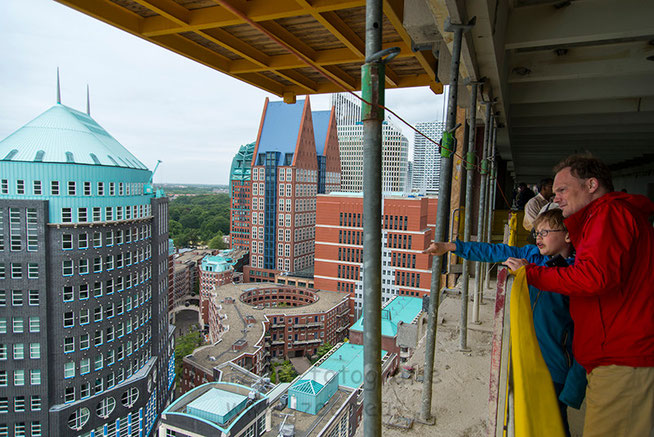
{"x":611,"y":285}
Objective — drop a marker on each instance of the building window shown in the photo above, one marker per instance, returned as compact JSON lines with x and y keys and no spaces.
{"x":69,"y":319}
{"x":82,"y":215}
{"x":20,"y":186}
{"x":66,"y":215}
{"x":83,"y":266}
{"x":19,"y":404}
{"x":33,"y":271}
{"x":100,"y":188}
{"x":97,"y":214}
{"x":67,"y":267}
{"x":18,"y":325}
{"x":69,"y":370}
{"x":35,"y":402}
{"x":69,"y":396}
{"x":35,"y":351}
{"x":19,"y":377}
{"x":5,"y":186}
{"x":84,"y":366}
{"x":69,"y":345}
{"x":34,"y":297}
{"x":35,"y":377}
{"x":17,"y":298}
{"x":87,"y":188}
{"x":66,"y":242}
{"x":71,"y":188}
{"x":19,"y":351}
{"x":35,"y":324}
{"x":37,"y":188}
{"x":54,"y":188}
{"x":14,"y":230}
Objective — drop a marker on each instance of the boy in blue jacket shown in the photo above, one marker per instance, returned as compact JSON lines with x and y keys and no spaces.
{"x":552,"y":321}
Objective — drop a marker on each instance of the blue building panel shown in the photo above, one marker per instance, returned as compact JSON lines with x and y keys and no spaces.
{"x":281,"y":127}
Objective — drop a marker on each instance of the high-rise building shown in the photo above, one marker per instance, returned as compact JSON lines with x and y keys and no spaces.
{"x":240,"y":177}
{"x":407,"y":229}
{"x":85,"y":344}
{"x":395,"y":148}
{"x":295,"y":158}
{"x":427,"y":157}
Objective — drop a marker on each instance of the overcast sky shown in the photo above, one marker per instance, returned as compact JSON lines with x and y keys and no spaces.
{"x":156,"y":103}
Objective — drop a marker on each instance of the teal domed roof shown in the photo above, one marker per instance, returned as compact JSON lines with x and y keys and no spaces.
{"x":65,"y":135}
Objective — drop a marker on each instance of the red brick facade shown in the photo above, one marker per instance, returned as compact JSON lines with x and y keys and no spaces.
{"x":408,"y":228}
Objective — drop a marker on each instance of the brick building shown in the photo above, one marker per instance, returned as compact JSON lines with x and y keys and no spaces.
{"x":408,"y":228}
{"x":251,"y":323}
{"x":295,"y":157}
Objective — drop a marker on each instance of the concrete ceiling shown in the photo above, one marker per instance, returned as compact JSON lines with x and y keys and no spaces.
{"x":567,"y":75}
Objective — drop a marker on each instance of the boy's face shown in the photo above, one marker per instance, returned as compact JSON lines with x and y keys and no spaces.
{"x":555,"y":242}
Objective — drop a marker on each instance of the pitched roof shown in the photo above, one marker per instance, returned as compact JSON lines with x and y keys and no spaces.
{"x":281,"y":127}
{"x":65,"y":135}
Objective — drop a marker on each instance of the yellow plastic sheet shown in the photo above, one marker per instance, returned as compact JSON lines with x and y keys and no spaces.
{"x":536,"y":407}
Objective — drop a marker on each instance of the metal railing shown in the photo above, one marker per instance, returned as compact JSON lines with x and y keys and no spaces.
{"x":500,"y":395}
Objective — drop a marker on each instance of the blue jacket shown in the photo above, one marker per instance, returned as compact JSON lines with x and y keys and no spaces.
{"x":552,"y":321}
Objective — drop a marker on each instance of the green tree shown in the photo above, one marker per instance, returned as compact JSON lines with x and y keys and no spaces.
{"x":186,"y":345}
{"x":286,"y":372}
{"x":217,"y":242}
{"x":323,"y":349}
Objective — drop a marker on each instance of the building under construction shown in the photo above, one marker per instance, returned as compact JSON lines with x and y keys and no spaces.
{"x":531,"y":81}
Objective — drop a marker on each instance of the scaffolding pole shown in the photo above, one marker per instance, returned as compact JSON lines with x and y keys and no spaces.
{"x":470,"y":158}
{"x":372,"y":87}
{"x":482,"y":208}
{"x":447,"y":148}
{"x":491,"y":197}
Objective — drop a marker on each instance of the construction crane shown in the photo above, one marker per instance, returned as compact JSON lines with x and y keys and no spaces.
{"x":148,"y":188}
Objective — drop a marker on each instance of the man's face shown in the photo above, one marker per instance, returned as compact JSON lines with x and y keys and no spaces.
{"x":571,"y":193}
{"x":546,"y":191}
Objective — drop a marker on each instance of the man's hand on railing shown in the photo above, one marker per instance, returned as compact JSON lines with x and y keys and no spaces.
{"x":439,"y":249}
{"x":515,"y":263}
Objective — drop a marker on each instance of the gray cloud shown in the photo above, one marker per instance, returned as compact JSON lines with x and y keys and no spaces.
{"x":156,"y":103}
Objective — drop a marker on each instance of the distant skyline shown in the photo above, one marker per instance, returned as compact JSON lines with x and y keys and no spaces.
{"x":156,"y":103}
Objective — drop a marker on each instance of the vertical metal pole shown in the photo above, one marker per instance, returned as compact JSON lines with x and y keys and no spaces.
{"x":470,"y":158}
{"x":372,"y":86}
{"x":448,"y":146}
{"x":481,"y":209}
{"x":491,"y":197}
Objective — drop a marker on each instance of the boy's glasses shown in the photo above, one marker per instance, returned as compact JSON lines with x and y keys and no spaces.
{"x":544,"y":232}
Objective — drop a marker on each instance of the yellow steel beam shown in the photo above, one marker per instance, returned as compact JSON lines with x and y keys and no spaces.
{"x":109,"y":13}
{"x":179,"y":15}
{"x":256,"y":10}
{"x":167,"y":9}
{"x":205,"y":56}
{"x":335,"y":73}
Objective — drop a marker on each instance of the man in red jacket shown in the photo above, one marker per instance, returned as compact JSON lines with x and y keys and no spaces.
{"x":611,"y":289}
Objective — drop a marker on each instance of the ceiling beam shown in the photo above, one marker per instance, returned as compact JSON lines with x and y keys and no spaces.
{"x":582,"y":62}
{"x":256,"y":10}
{"x":592,"y":131}
{"x":394,"y":11}
{"x":599,"y":106}
{"x":579,"y":22}
{"x":108,"y":12}
{"x":608,"y":119}
{"x":583,"y":89}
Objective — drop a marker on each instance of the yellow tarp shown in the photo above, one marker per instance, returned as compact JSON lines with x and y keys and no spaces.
{"x":536,"y":407}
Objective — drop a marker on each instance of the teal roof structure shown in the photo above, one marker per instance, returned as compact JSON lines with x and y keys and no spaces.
{"x":347,"y":360}
{"x":314,"y":380}
{"x":320,"y":128}
{"x":242,"y":163}
{"x":66,"y":136}
{"x":218,"y":263}
{"x":215,"y":402}
{"x":281,"y":127}
{"x":400,"y":309}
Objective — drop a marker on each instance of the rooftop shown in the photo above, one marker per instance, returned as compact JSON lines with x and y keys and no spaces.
{"x":217,"y":403}
{"x":67,"y":136}
{"x":234,"y":314}
{"x":347,"y":360}
{"x":402,"y":309}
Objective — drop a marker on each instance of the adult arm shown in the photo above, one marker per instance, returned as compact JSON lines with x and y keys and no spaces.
{"x":602,"y":255}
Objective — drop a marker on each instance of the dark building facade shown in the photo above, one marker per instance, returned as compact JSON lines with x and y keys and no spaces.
{"x":85,"y":344}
